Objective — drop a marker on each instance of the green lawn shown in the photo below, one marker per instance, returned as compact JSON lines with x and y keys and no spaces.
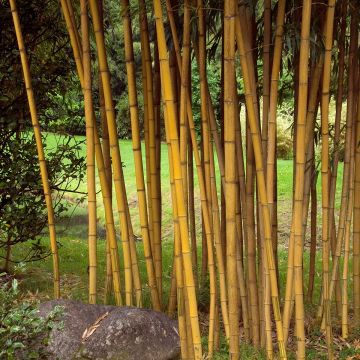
{"x":72,"y":235}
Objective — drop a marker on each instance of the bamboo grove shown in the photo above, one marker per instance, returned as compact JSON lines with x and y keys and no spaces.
{"x":232,"y":156}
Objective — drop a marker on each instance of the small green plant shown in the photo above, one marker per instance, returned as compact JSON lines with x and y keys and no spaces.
{"x":23,"y":333}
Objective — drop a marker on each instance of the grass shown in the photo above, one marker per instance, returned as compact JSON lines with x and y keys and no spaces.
{"x":72,"y":236}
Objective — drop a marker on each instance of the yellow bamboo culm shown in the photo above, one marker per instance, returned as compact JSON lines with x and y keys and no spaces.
{"x":254,"y":291}
{"x":204,"y":204}
{"x":90,"y":150}
{"x":349,"y":212}
{"x":275,"y":74}
{"x":267,"y":76}
{"x":179,"y":271}
{"x":269,"y":140}
{"x":108,"y":172}
{"x":107,"y":168}
{"x":299,"y":180}
{"x":325,"y":170}
{"x":230,"y":174}
{"x":130,"y":67}
{"x":115,"y":152}
{"x":149,"y":126}
{"x":174,"y":143}
{"x":336,"y":142}
{"x":256,"y":142}
{"x":104,"y":180}
{"x":39,"y":147}
{"x":356,"y":228}
{"x":267,"y":337}
{"x":350,"y":129}
{"x":186,"y":112}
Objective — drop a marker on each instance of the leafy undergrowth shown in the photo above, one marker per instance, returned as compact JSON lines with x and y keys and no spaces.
{"x":23,"y":334}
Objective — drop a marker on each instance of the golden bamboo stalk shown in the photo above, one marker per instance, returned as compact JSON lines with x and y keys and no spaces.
{"x":248,"y":201}
{"x":241,"y":226}
{"x":184,"y":88}
{"x":264,"y":134}
{"x":266,"y":75}
{"x":336,"y":142}
{"x":251,"y":242}
{"x":140,"y":183}
{"x":256,"y":141}
{"x":90,"y":151}
{"x":204,"y":99}
{"x":115,"y":151}
{"x":154,"y":173}
{"x":218,"y":247}
{"x":108,"y":172}
{"x":173,"y":139}
{"x":271,"y":136}
{"x":275,"y":73}
{"x":299,"y":179}
{"x":39,"y":146}
{"x":104,"y":181}
{"x":325,"y":174}
{"x":178,"y":262}
{"x":192,"y":222}
{"x":349,"y":212}
{"x":351,"y":106}
{"x":309,"y":136}
{"x":230,"y":174}
{"x":204,"y":204}
{"x":356,"y":224}
{"x":313,"y":244}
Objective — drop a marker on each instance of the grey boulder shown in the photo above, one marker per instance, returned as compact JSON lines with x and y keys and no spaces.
{"x":111,"y":332}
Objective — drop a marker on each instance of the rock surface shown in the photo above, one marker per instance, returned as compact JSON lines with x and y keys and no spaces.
{"x":111,"y":332}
